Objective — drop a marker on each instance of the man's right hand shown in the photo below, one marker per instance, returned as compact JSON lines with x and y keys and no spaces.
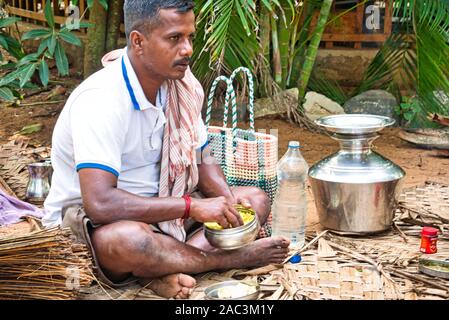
{"x":218,"y":210}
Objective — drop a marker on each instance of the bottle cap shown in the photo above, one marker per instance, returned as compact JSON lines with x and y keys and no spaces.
{"x":294,"y":144}
{"x":429,"y":231}
{"x":295,"y":259}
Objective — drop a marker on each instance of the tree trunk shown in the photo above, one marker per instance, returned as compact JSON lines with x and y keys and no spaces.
{"x":264,"y":36}
{"x":277,"y":67}
{"x":285,"y":32}
{"x":298,"y":59}
{"x":96,"y":37}
{"x":115,"y":12}
{"x":312,"y":52}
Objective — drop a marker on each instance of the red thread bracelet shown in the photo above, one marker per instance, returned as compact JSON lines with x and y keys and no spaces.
{"x":188,"y":201}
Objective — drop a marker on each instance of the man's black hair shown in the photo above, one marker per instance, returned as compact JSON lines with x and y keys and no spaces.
{"x":140,"y":15}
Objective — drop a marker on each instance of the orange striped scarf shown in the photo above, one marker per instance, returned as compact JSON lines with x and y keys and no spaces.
{"x":179,"y":171}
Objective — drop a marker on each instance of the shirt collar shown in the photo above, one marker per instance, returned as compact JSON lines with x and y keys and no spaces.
{"x":139,"y":101}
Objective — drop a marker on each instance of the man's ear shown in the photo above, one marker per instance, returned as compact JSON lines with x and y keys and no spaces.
{"x":136,"y":41}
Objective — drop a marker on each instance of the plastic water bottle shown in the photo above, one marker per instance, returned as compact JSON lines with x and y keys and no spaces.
{"x":290,"y":202}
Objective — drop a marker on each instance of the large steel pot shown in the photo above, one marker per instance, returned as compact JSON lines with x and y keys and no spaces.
{"x":355,"y":189}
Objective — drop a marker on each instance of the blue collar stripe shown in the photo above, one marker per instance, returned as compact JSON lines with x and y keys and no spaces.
{"x":128,"y":85}
{"x":204,"y":145}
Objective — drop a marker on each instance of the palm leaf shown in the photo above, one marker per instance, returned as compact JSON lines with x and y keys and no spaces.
{"x":418,"y":55}
{"x":226,"y":38}
{"x":329,"y":88}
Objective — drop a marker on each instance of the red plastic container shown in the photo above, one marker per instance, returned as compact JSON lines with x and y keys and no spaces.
{"x":429,"y":237}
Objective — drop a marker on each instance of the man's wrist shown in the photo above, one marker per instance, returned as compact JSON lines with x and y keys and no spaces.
{"x":188,"y":203}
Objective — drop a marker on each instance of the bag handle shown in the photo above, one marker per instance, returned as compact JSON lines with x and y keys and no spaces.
{"x":251,"y":98}
{"x":210,"y":99}
{"x":230,"y":95}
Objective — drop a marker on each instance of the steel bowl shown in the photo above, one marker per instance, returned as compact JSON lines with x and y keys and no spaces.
{"x":233,"y":238}
{"x":212,"y":292}
{"x":434,"y":267}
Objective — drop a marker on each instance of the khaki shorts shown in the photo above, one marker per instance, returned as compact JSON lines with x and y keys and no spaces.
{"x":75,"y":218}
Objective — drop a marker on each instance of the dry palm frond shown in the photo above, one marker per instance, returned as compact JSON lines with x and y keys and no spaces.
{"x":45,"y":264}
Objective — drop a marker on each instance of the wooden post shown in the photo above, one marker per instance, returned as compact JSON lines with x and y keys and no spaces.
{"x":388,"y":19}
{"x":82,"y":7}
{"x":359,"y":24}
{"x":27,"y":8}
{"x":56,"y":7}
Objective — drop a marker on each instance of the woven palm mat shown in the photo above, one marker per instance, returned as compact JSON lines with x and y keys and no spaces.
{"x":14,"y":158}
{"x":425,"y":205}
{"x":334,"y":266}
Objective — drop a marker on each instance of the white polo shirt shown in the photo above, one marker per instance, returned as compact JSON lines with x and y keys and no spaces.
{"x":107,"y":123}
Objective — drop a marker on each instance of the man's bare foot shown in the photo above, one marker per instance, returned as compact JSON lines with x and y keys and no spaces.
{"x":178,"y":286}
{"x":265,"y":251}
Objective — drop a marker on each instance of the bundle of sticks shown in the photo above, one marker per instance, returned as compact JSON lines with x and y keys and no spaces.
{"x":45,"y":264}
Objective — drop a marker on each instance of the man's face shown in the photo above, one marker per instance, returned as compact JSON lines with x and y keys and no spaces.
{"x":167,"y":48}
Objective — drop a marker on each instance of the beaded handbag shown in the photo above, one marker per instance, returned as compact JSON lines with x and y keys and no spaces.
{"x":247,"y":157}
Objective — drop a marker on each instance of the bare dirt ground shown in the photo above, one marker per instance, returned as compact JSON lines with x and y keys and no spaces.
{"x":420,"y":164}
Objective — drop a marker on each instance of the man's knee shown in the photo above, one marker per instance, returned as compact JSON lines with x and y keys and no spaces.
{"x":259,"y":200}
{"x":124,"y":238}
{"x":259,"y":196}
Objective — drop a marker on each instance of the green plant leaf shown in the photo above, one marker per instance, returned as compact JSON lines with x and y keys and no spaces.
{"x":43,"y":45}
{"x":33,"y":128}
{"x":16,"y":85}
{"x":104,"y":3}
{"x":36,"y":34}
{"x":329,"y":88}
{"x":32,"y":57}
{"x":3,"y":42}
{"x":26,"y":74}
{"x":49,"y":16}
{"x":14,"y":47}
{"x":10,"y":77}
{"x":6,"y":94}
{"x":52,"y":44}
{"x":6,"y":22}
{"x":408,"y":116}
{"x":44,"y":72}
{"x":69,"y":37}
{"x":86,"y":25}
{"x":61,"y":60}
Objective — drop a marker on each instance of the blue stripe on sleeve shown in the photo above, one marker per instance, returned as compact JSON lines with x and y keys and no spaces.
{"x":96,"y":166}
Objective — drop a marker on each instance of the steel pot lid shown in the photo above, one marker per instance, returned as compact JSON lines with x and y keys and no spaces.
{"x":356,"y":168}
{"x":354,"y":124}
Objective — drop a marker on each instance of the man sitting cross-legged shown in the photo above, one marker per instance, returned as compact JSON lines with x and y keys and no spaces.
{"x":126,"y":178}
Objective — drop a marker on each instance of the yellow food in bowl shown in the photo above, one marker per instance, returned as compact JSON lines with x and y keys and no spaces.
{"x":246,"y":214}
